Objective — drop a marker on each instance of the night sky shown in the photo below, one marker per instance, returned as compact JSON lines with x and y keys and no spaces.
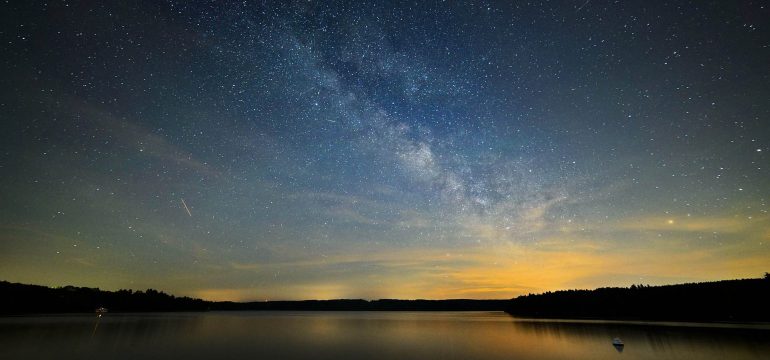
{"x":429,"y":149}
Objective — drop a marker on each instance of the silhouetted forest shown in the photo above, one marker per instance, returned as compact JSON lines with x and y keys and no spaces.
{"x":727,"y":300}
{"x":28,"y":299}
{"x":25,"y":299}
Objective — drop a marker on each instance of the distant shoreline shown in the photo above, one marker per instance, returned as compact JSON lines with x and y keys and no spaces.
{"x":744,"y":300}
{"x":745,"y":325}
{"x":729,"y":301}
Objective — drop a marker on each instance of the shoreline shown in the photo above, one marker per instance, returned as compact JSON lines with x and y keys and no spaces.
{"x":749,"y":325}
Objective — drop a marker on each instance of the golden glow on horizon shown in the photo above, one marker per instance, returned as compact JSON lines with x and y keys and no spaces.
{"x":497,"y":266}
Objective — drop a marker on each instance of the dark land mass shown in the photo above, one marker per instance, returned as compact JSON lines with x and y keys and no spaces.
{"x":29,"y":299}
{"x":729,"y":300}
{"x":368,"y":305}
{"x":746,"y":300}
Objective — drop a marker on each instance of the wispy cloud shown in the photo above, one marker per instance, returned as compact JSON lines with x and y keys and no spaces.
{"x":702,"y":224}
{"x":131,"y":136}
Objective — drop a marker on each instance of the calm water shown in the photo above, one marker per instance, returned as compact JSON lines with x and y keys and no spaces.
{"x":366,"y":335}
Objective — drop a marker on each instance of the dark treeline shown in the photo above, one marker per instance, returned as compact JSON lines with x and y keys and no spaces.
{"x":25,"y":299}
{"x":367,"y":305}
{"x":728,"y":300}
{"x":29,"y":299}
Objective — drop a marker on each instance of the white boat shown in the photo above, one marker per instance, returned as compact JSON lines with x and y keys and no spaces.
{"x":617,"y":342}
{"x":101,"y":311}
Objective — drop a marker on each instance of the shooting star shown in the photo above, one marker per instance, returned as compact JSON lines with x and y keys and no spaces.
{"x":581,"y":6}
{"x":185,"y":207}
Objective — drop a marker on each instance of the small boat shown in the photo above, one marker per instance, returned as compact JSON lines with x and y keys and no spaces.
{"x":101,"y":311}
{"x":617,"y":342}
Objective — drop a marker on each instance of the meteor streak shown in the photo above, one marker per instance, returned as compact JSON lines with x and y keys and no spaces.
{"x":185,"y":207}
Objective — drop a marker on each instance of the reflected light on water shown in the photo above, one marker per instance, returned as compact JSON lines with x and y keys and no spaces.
{"x":370,"y":335}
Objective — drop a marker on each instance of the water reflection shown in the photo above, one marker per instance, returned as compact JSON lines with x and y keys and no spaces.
{"x":660,"y":340}
{"x":371,"y":335}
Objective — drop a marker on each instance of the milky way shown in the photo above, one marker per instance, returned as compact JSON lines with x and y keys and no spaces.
{"x":260,"y":150}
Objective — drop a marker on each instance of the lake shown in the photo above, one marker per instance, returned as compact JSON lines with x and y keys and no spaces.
{"x":367,"y":335}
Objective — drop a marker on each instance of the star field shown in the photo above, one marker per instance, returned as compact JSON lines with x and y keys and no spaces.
{"x":268,"y":150}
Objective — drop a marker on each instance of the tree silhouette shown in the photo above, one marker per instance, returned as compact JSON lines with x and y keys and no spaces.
{"x":727,"y":300}
{"x":21,"y":298}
